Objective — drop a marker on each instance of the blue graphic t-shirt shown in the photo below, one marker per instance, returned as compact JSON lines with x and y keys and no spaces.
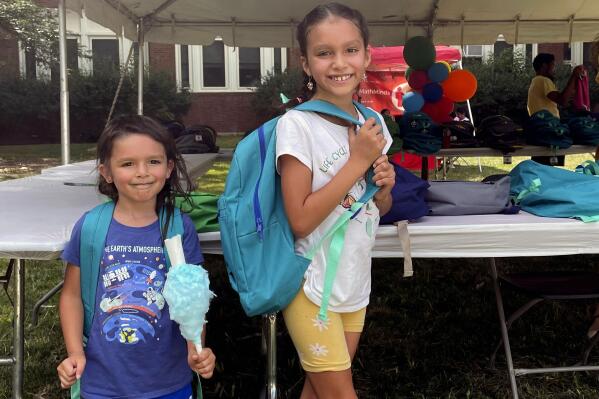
{"x":134,"y":349}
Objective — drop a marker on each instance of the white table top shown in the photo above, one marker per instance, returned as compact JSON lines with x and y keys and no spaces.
{"x":37,"y":213}
{"x":477,"y":236}
{"x":527,"y":150}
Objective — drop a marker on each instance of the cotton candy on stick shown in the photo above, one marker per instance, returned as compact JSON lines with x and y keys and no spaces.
{"x":187,"y":292}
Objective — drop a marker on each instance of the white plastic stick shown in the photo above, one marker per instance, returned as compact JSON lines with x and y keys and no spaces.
{"x":198,"y":346}
{"x":174,"y":247}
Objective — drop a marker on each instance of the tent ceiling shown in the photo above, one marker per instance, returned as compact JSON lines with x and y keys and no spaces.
{"x":270,"y":23}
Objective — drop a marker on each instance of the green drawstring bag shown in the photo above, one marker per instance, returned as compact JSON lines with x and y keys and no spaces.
{"x":202,"y":208}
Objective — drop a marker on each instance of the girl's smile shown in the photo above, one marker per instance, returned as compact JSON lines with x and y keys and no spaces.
{"x":336,"y":59}
{"x":138,"y":167}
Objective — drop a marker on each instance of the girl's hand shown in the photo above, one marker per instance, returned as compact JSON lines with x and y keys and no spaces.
{"x":202,"y":363}
{"x":367,"y":145}
{"x":71,"y":369}
{"x":384,"y":177}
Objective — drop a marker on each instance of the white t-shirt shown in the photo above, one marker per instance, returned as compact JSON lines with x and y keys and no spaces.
{"x":324,"y":148}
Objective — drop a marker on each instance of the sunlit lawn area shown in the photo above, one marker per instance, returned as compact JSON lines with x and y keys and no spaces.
{"x":425,"y":337}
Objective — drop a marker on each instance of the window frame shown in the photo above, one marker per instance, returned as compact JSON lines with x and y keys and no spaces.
{"x":232,"y":84}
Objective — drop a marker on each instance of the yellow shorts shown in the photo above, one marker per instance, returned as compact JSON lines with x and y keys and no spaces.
{"x":321,"y":346}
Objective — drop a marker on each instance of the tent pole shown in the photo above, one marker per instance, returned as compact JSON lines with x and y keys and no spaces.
{"x":64,"y":85}
{"x":480,"y":167}
{"x":140,"y":67}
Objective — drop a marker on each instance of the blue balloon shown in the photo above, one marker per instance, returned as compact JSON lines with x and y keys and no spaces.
{"x":437,"y":72}
{"x":412,"y":101}
{"x":432,"y":92}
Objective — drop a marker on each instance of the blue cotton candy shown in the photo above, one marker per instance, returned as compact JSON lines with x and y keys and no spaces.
{"x":187,"y":292}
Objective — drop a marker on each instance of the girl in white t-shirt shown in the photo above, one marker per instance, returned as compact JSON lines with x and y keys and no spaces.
{"x":322,"y":163}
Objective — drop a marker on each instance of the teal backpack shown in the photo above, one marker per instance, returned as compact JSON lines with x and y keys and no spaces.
{"x":420,"y":134}
{"x":545,"y":129}
{"x":555,"y":192}
{"x":257,"y":242}
{"x":93,"y":239}
{"x":584,"y":130}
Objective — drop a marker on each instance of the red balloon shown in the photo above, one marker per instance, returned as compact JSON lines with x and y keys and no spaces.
{"x":417,"y":79}
{"x":460,"y":85}
{"x":439,"y":111}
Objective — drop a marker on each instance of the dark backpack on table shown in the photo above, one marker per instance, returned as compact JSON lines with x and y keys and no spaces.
{"x":461,"y":134}
{"x":583,"y":129}
{"x":408,"y":196}
{"x":501,"y":133}
{"x":545,"y":129}
{"x":420,"y":134}
{"x":197,"y":139}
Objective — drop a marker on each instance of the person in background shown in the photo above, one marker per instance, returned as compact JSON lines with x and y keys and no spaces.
{"x":393,"y":128}
{"x":460,"y":115}
{"x":544,"y":95}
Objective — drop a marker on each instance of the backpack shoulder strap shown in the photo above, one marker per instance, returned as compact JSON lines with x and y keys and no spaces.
{"x":337,"y":231}
{"x":325,"y":107}
{"x":368,"y":113}
{"x":93,"y":238}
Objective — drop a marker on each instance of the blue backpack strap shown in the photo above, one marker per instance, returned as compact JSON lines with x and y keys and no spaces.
{"x":93,"y":238}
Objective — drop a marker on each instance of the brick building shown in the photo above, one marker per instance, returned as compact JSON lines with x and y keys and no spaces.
{"x":220,"y":78}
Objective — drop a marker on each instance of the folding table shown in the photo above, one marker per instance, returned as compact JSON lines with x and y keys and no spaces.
{"x":473,"y":236}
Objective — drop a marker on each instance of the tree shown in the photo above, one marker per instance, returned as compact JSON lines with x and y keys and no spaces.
{"x":34,"y":26}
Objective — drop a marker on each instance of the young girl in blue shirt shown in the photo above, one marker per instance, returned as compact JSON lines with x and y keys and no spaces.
{"x":133,"y":350}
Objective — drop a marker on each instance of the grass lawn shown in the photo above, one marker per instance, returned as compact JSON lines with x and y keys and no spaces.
{"x":429,"y":336}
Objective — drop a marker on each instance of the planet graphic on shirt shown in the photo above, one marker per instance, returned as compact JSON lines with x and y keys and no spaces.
{"x":127,"y":329}
{"x":132,"y":303}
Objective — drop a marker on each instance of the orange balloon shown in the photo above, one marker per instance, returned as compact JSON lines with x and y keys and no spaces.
{"x":459,"y":86}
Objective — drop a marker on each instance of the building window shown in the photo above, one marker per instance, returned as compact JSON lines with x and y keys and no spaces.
{"x":105,"y":53}
{"x":213,"y":67}
{"x":473,"y":50}
{"x":277,"y":61}
{"x":567,"y":52}
{"x":73,"y":54}
{"x":30,"y":64}
{"x":184,"y":65}
{"x":249,"y":66}
{"x":218,"y":67}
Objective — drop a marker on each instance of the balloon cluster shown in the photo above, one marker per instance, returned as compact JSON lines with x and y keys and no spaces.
{"x":435,"y":87}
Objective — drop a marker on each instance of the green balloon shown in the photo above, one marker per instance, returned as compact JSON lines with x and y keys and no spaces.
{"x":419,"y":52}
{"x":408,"y":72}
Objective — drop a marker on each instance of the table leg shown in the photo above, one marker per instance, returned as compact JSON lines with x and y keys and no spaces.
{"x":503,"y":326}
{"x":424,"y":170}
{"x":269,"y":341}
{"x":18,"y":335}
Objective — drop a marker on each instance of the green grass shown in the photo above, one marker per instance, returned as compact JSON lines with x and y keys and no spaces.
{"x":426,"y":337}
{"x":467,"y":168}
{"x":429,"y":336}
{"x":228,"y":140}
{"x":46,"y":152}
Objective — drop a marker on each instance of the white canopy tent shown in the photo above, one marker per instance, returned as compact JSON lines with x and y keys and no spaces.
{"x":271,"y":23}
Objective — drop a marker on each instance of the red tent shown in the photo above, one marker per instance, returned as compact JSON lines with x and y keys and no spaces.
{"x":385,"y":85}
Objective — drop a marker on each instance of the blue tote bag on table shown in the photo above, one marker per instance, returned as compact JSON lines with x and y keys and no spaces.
{"x":554,"y":192}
